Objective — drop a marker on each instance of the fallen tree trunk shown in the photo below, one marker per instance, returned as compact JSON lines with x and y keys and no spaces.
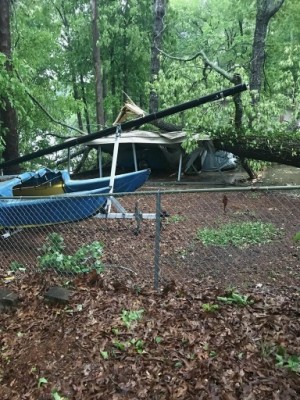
{"x":282,"y":153}
{"x":243,"y":147}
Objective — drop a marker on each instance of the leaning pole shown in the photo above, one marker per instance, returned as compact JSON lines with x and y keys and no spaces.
{"x":129,"y":124}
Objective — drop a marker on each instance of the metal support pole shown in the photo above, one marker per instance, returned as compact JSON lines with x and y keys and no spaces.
{"x":69,"y":159}
{"x":114,"y":158}
{"x":157,"y":242}
{"x":179,"y":167}
{"x":99,"y":151}
{"x":134,"y":157}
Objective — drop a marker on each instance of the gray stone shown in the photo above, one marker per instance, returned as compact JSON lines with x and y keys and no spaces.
{"x":8,"y":298}
{"x":57,"y":294}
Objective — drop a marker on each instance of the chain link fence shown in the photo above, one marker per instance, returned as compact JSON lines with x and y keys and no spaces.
{"x":164,"y":236}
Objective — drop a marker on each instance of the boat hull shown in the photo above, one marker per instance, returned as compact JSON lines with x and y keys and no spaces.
{"x":20,"y":213}
{"x":129,"y":182}
{"x":59,"y":183}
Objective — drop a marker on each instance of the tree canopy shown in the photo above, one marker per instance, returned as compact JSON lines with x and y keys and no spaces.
{"x":198,"y":46}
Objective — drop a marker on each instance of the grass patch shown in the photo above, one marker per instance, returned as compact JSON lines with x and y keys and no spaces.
{"x":238,"y":234}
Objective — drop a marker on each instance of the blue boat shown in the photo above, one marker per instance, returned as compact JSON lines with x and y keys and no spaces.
{"x":128,"y":182}
{"x":46,"y":182}
{"x":58,"y":198}
{"x":17,"y":213}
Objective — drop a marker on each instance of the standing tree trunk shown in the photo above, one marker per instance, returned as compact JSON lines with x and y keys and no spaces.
{"x":86,"y":111}
{"x":8,"y":115}
{"x":97,"y":66}
{"x":63,"y":15}
{"x":266,"y":9}
{"x":158,"y":28}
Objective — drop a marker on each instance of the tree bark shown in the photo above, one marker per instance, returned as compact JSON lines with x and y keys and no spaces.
{"x":158,"y":28}
{"x":8,"y":115}
{"x":97,"y":66}
{"x":266,"y":9}
{"x":261,"y":151}
{"x":86,"y":111}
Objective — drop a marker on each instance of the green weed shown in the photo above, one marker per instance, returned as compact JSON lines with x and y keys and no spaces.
{"x":138,"y":345}
{"x":56,"y":396}
{"x":175,"y":219}
{"x":17,"y":266}
{"x":238,"y":234}
{"x":288,"y":361}
{"x":85,"y":259}
{"x":210,"y":308}
{"x":129,"y":316}
{"x":235,"y":298}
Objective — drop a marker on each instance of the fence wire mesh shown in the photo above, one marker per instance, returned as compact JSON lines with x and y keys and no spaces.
{"x":198,"y":234}
{"x":232,"y":237}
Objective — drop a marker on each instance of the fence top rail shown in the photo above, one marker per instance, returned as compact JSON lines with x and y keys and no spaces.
{"x":172,"y":191}
{"x":217,"y":190}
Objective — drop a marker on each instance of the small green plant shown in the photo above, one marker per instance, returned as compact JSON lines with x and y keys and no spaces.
{"x":285,"y":360}
{"x":210,"y":308}
{"x":178,"y":364}
{"x":211,"y":353}
{"x":235,"y":298}
{"x":119,"y":345}
{"x":42,"y":381}
{"x":104,"y":355}
{"x":56,"y":396}
{"x":138,"y":344}
{"x":282,"y":358}
{"x":296,"y":237}
{"x":129,"y":316}
{"x":115,"y":331}
{"x":85,"y":259}
{"x":54,"y":242}
{"x":175,"y":219}
{"x":17,"y":266}
{"x":238,"y":234}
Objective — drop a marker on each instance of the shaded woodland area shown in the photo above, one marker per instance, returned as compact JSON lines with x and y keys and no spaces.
{"x":68,"y":67}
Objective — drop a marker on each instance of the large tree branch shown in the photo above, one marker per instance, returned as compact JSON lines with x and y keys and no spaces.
{"x":206,"y":60}
{"x":36,"y":102}
{"x":73,"y":155}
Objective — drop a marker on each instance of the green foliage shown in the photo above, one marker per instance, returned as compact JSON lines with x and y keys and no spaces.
{"x":52,"y":55}
{"x":17,"y":266}
{"x":137,"y":344}
{"x":129,"y":316}
{"x":236,"y":299}
{"x":238,"y":234}
{"x":296,"y":237}
{"x":42,"y":381}
{"x":257,"y":165}
{"x":282,"y":358}
{"x":85,"y":259}
{"x":56,"y":396}
{"x":291,"y":362}
{"x":210,"y":308}
{"x":104,"y":355}
{"x":175,"y":219}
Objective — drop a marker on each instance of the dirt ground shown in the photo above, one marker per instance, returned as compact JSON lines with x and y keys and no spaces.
{"x":187,"y":343}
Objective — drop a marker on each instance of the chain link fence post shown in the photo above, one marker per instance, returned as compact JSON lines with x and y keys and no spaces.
{"x":157,"y":241}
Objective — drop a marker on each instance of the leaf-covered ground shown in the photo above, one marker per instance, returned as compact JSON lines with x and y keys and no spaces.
{"x":181,"y":348}
{"x":188,"y":344}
